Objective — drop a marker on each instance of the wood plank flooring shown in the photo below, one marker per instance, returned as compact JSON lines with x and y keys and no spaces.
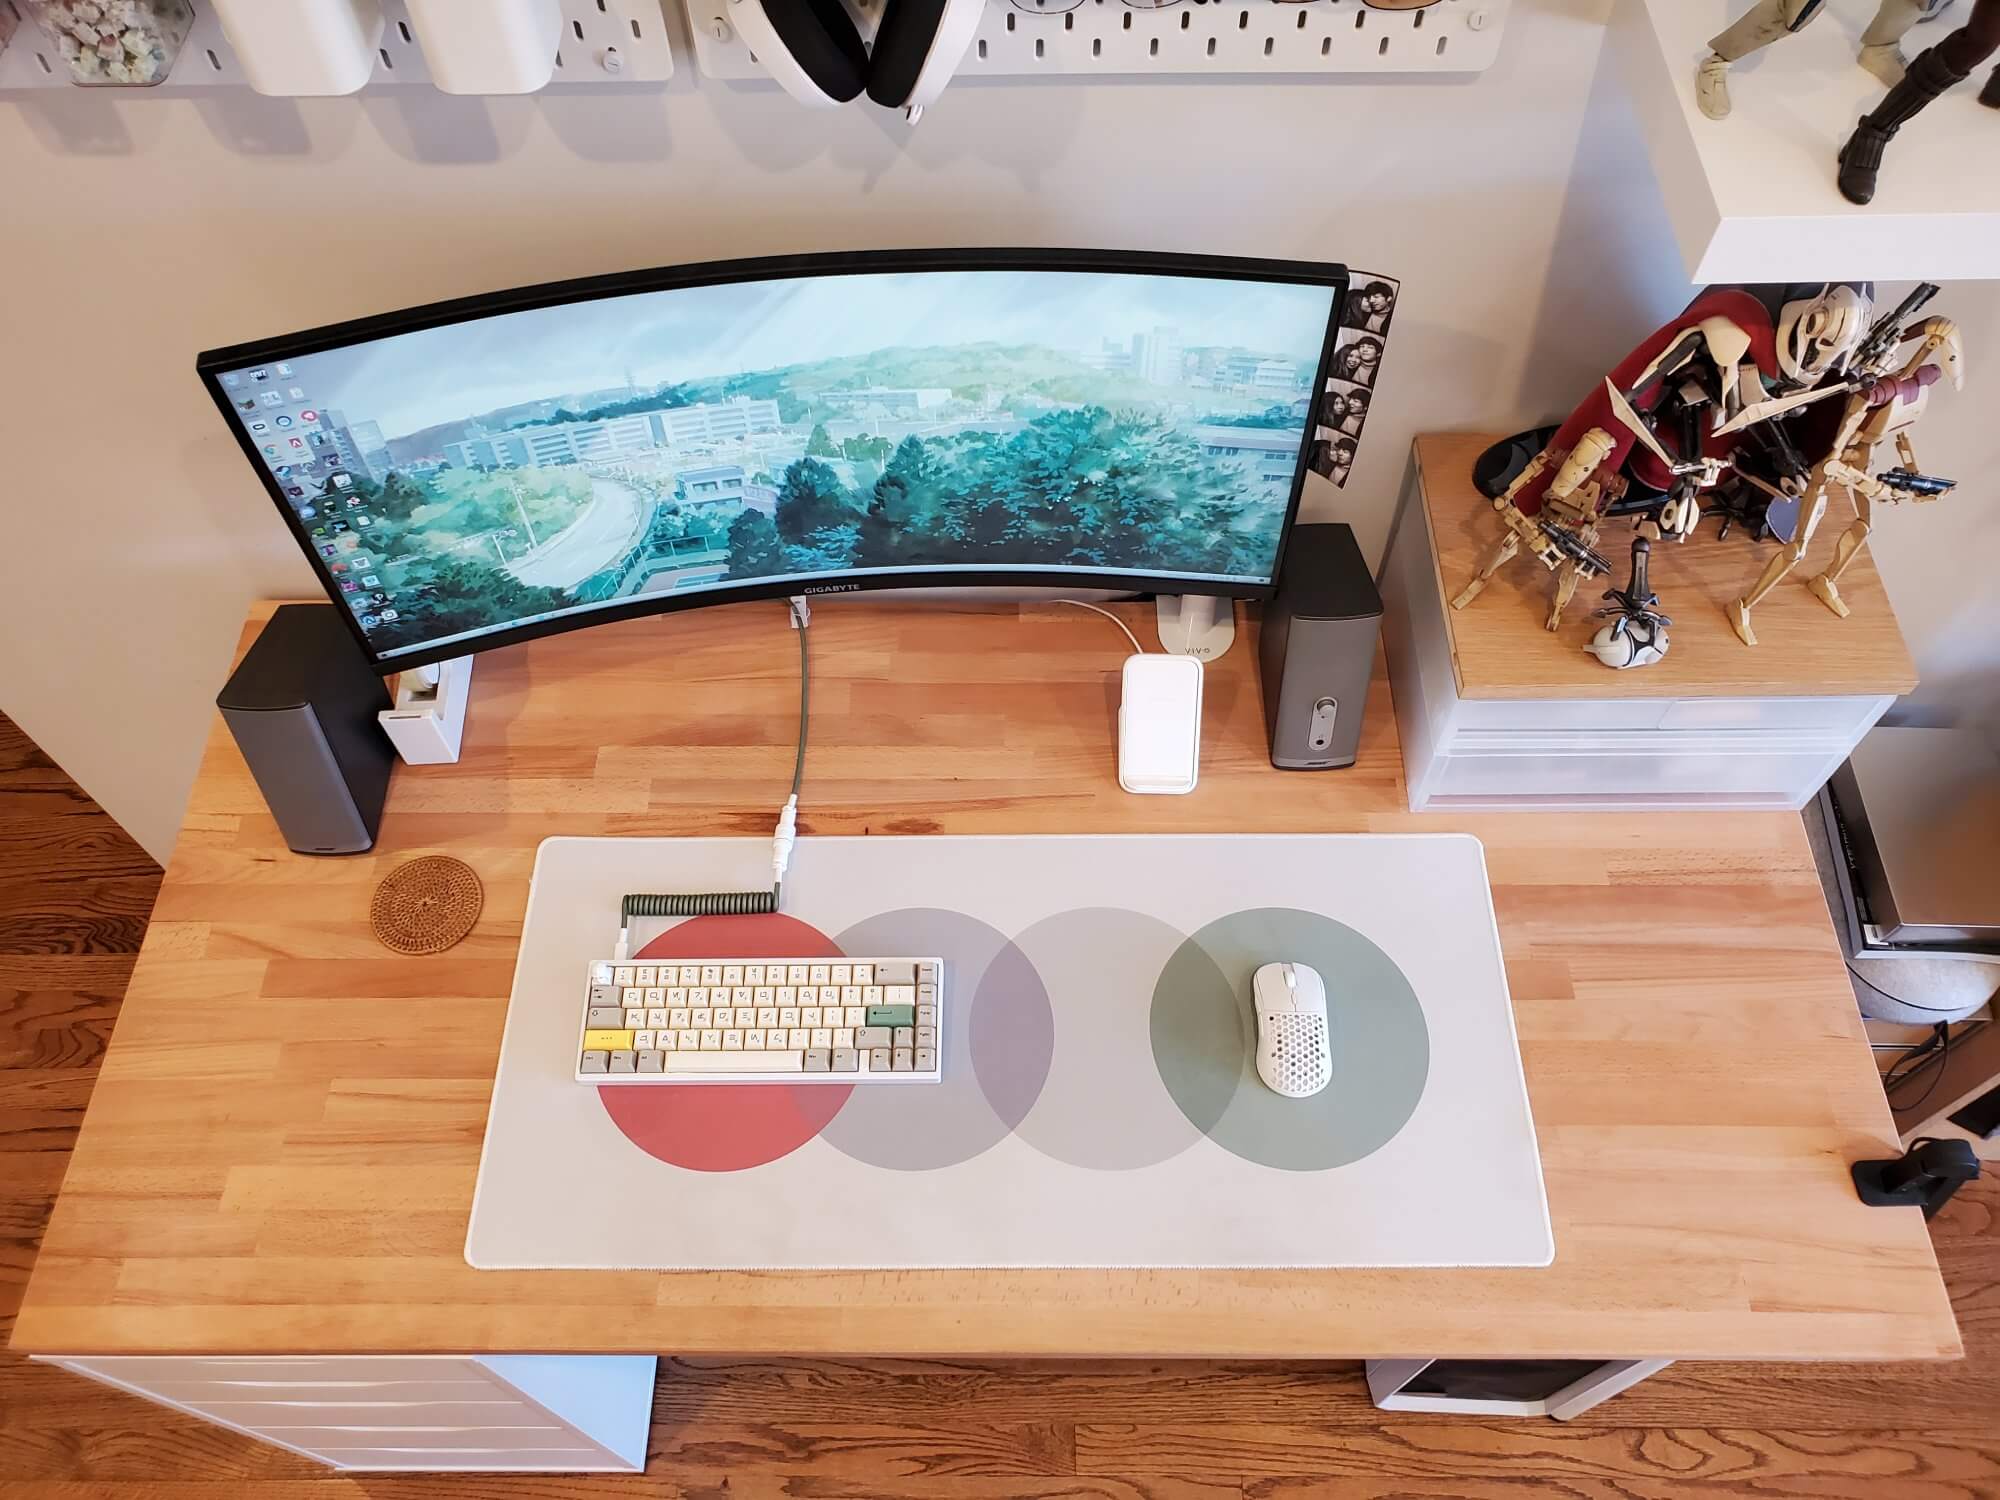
{"x":74,"y":897}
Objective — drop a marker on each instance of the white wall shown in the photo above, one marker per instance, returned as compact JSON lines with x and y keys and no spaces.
{"x":1516,"y":206}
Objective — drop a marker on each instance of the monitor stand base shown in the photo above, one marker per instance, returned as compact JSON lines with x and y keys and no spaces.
{"x":1197,"y":625}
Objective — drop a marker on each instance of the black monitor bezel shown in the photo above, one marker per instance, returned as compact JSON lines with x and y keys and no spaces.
{"x":210,"y":364}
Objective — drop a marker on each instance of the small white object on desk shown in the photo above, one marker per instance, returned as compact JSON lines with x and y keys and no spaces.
{"x":427,"y":725}
{"x":304,"y":47}
{"x":1159,"y":725}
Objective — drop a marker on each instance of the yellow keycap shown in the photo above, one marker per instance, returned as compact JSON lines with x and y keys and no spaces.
{"x":607,"y":1041}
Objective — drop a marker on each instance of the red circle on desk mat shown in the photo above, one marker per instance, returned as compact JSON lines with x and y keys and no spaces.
{"x":722,"y":1127}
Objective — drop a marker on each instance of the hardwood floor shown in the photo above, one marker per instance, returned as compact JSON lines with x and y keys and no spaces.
{"x":74,"y":896}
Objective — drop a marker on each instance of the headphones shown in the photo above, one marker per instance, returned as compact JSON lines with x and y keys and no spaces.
{"x":814,"y":49}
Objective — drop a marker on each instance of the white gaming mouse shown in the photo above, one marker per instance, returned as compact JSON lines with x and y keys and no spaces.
{"x":1294,"y":1045}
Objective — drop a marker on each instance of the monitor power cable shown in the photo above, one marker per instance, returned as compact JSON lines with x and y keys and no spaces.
{"x":1094,"y":609}
{"x":740,"y":903}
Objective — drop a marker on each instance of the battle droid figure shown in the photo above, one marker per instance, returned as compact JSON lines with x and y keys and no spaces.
{"x":1668,"y":425}
{"x":1885,"y":398}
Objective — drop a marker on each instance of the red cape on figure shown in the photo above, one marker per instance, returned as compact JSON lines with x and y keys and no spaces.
{"x":1740,"y":308}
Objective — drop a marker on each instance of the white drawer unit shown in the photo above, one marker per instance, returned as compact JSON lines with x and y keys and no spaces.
{"x":1480,"y":733}
{"x":494,"y":1413}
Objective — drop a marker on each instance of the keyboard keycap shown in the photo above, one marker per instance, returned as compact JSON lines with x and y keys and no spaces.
{"x":735,"y":1062}
{"x":799,"y":1038}
{"x":711,"y":1040}
{"x":753,"y":1040}
{"x":864,"y":974}
{"x":777,"y":1038}
{"x":711,"y":974}
{"x":644,"y":975}
{"x":840,"y":974}
{"x":624,"y":1062}
{"x":809,"y":1015}
{"x":846,"y":1060}
{"x":926,"y":1036}
{"x":878,"y":1059}
{"x":892,"y":1015}
{"x":622,"y":975}
{"x":700,"y":1017}
{"x":658,"y":1016}
{"x":896,"y":972}
{"x":606,"y":1040}
{"x":642,"y":1040}
{"x":595,"y":1062}
{"x":905,"y":1037}
{"x":668,"y":1040}
{"x":899,"y":994}
{"x":843,"y":1036}
{"x":819,"y":1060}
{"x":927,"y":1015}
{"x":732,"y":974}
{"x":605,"y":1015}
{"x":767,"y":1015}
{"x":732,"y":1041}
{"x":872,"y":1036}
{"x":687,"y":1040}
{"x":822,"y":1038}
{"x":854,"y":1015}
{"x":651,"y":1062}
{"x":925,"y":1060}
{"x":902,"y":1057}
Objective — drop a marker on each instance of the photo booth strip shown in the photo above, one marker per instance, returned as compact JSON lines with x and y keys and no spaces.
{"x":1360,"y":352}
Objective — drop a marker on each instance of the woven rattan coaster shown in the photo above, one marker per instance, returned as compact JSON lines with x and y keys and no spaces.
{"x":426,"y":905}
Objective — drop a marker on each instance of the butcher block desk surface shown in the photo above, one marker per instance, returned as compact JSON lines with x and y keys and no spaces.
{"x":280,"y":1152}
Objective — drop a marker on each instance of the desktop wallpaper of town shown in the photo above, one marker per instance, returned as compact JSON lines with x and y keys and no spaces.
{"x":529,"y":465}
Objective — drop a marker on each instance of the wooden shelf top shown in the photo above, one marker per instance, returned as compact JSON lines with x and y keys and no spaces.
{"x":1500,"y":650}
{"x":280,"y":1153}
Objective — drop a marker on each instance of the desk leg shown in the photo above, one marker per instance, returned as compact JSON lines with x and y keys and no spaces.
{"x":1559,"y":1388}
{"x":410,"y":1413}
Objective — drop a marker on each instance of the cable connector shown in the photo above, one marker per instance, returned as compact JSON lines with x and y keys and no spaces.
{"x":782,"y":839}
{"x":801,"y":612}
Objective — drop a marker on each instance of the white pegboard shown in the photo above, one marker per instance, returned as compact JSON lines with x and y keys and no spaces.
{"x":1193,"y":37}
{"x":603,"y":42}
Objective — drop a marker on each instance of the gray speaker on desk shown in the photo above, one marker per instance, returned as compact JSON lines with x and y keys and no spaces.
{"x":302,"y":706}
{"x":1317,"y":650}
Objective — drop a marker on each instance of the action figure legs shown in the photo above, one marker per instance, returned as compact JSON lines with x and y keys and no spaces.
{"x":1503,"y":554}
{"x":1881,"y":43}
{"x":1990,"y":95}
{"x":1774,"y":572}
{"x":1766,"y":22}
{"x":1824,"y":587}
{"x":1950,"y":62}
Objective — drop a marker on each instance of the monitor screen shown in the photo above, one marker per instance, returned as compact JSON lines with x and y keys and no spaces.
{"x":479,"y":472}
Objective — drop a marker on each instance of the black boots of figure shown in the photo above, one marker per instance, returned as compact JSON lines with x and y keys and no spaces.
{"x":1990,"y":95}
{"x":1861,"y":158}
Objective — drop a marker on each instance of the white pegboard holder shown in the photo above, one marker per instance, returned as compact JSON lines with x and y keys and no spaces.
{"x":604,"y":42}
{"x":1211,"y":37}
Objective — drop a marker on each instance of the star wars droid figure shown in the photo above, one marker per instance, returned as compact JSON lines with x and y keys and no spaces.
{"x":1885,"y":397}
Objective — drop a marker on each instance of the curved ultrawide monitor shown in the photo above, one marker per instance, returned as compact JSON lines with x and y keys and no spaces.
{"x":479,"y":472}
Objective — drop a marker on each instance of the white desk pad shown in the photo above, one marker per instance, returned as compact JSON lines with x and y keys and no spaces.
{"x":1100,"y":1106}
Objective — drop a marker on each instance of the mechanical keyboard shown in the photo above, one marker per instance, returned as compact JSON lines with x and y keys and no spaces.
{"x":762,"y":1020}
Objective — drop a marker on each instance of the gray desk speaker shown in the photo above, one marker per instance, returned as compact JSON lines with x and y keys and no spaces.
{"x":1316,"y":650}
{"x":302,"y":706}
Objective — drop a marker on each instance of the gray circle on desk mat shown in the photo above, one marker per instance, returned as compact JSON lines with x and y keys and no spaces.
{"x":1104,"y":1106}
{"x":998,"y":1036}
{"x":1204,"y":1030}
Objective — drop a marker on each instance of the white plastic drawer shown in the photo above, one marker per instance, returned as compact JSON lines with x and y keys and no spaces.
{"x":156,"y":1373}
{"x":375,"y":1408}
{"x":572,"y":1460}
{"x":1848,"y":716}
{"x":536,"y":1430}
{"x":1721,"y":777}
{"x":1560,"y":714}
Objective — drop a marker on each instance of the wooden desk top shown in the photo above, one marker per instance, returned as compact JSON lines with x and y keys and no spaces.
{"x":281,"y":1149}
{"x":1500,"y":650}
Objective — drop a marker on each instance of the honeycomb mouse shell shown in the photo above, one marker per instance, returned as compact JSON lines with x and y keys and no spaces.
{"x":1294,"y":1041}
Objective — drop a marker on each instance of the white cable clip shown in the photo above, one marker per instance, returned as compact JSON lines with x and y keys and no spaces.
{"x":801,"y":612}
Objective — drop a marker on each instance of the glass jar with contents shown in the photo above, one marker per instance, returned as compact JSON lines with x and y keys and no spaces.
{"x":116,"y":43}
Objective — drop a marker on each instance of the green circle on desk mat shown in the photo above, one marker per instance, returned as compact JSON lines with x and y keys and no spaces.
{"x":1204,"y":1032}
